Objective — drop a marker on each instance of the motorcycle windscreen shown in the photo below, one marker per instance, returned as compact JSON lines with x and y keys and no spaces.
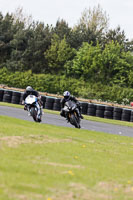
{"x":30,"y":99}
{"x":71,"y":105}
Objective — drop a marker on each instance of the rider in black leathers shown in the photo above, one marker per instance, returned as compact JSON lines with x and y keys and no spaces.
{"x":30,"y":91}
{"x":67,"y":97}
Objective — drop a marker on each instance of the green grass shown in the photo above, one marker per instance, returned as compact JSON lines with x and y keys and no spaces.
{"x":91,"y":118}
{"x":45,"y":162}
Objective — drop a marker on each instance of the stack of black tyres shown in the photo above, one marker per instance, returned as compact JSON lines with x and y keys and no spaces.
{"x":1,"y":94}
{"x":57,"y":104}
{"x":126,"y":114}
{"x":108,"y":113}
{"x":15,"y":97}
{"x":131,"y":117}
{"x":91,"y":110}
{"x":43,"y":99}
{"x":84,"y":107}
{"x":49,"y":103}
{"x":7,"y":97}
{"x":100,"y":110}
{"x":117,"y":113}
{"x":21,"y":97}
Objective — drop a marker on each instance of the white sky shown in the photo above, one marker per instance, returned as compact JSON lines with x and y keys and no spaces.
{"x":120,"y":12}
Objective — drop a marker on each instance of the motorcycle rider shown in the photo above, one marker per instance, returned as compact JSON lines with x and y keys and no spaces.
{"x":67,"y":97}
{"x":30,"y":91}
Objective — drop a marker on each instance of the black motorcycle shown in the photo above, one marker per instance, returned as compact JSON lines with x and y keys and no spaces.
{"x":72,"y":113}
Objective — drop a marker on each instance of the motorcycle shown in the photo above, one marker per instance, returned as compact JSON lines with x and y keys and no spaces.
{"x":33,"y":107}
{"x":72,"y":113}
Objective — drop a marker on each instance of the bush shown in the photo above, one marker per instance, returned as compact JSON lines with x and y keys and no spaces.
{"x":58,"y":84}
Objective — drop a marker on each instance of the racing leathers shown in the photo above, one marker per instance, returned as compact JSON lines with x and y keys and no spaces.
{"x":72,"y":98}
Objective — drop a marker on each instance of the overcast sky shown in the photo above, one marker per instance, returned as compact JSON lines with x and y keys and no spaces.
{"x":120,"y":12}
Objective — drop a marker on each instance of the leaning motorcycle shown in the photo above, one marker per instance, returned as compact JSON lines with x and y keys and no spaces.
{"x":33,"y":107}
{"x":72,"y":113}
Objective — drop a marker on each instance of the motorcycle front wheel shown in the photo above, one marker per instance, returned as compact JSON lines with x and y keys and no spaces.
{"x":34,"y":113}
{"x":74,"y":121}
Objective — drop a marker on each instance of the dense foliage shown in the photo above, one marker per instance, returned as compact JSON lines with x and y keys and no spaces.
{"x":89,"y":59}
{"x":56,"y":84}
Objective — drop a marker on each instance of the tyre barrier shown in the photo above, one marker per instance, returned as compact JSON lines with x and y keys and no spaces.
{"x":84,"y":107}
{"x":126,"y":114}
{"x":52,"y":103}
{"x":117,"y":113}
{"x":15,"y":97}
{"x":57,"y":104}
{"x":1,"y":95}
{"x":131,"y":117}
{"x":108,"y":113}
{"x":91,"y":110}
{"x":49,"y":103}
{"x":43,"y":99}
{"x":7,"y":97}
{"x":100,"y":109}
{"x":21,"y":98}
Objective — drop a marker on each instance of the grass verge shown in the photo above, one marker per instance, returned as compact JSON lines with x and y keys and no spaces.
{"x":91,"y":118}
{"x":45,"y":162}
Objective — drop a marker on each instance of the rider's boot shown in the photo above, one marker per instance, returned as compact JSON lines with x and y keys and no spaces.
{"x":29,"y":114}
{"x":68,"y":120}
{"x":25,"y":107}
{"x":81,"y":116}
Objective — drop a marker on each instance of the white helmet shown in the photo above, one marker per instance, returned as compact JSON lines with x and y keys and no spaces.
{"x":29,"y":89}
{"x":66,"y":95}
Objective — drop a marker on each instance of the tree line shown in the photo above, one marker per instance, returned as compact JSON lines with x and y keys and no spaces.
{"x":88,"y":51}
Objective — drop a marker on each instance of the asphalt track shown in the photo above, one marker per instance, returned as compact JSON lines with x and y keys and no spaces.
{"x":60,"y":121}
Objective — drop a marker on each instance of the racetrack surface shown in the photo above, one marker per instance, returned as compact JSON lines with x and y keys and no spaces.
{"x":60,"y":121}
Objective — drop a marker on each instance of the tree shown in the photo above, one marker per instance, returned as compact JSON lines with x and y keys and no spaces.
{"x":79,"y":35}
{"x":116,"y":64}
{"x":62,"y":29}
{"x":20,"y":17}
{"x":85,"y":63}
{"x":38,"y":43}
{"x":58,"y":54}
{"x":91,"y":27}
{"x":111,"y":65}
{"x":19,"y":45}
{"x":6,"y":35}
{"x":95,"y":20}
{"x":117,"y":36}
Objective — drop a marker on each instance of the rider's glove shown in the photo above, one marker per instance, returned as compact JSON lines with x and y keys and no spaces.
{"x":39,"y":97}
{"x":78,"y":104}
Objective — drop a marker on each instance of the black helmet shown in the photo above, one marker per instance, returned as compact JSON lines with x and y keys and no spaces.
{"x":29,"y":89}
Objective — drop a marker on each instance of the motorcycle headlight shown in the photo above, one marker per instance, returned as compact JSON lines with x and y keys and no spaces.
{"x":74,"y":106}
